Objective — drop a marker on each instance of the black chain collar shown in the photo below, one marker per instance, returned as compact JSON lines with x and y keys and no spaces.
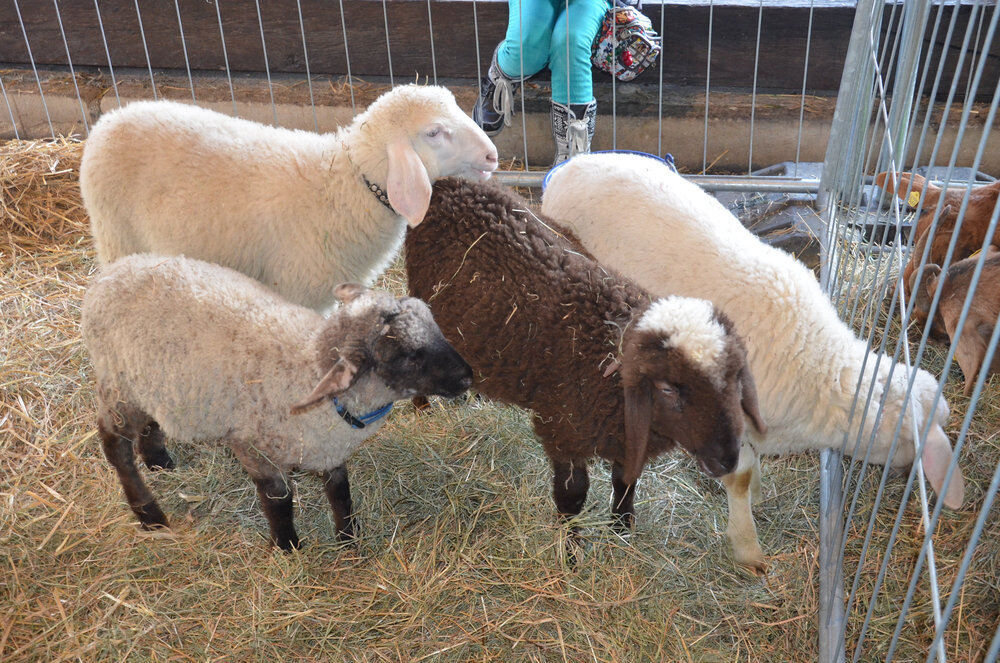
{"x":379,"y":194}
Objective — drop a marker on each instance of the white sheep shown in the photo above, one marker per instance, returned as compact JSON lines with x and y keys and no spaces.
{"x":197,"y":351}
{"x":298,"y":211}
{"x":651,"y":224}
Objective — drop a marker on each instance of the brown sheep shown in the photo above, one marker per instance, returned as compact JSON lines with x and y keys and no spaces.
{"x":983,"y":312}
{"x":547,"y":328}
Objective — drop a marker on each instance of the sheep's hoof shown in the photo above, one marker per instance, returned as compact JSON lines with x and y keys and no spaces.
{"x":621,"y":524}
{"x":752,"y":558}
{"x":151,"y":516}
{"x":288,"y":544}
{"x":160,"y":462}
{"x":420,"y":403}
{"x":347,"y":536}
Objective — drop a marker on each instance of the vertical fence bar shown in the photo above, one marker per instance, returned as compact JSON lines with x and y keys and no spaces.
{"x":184,"y":49}
{"x":72,"y":72}
{"x":107,"y":52}
{"x":267,"y":66}
{"x":708,"y":78}
{"x":388,"y":50}
{"x":753,"y":95}
{"x":802,"y":98}
{"x":31,"y":58}
{"x":145,"y":49}
{"x":225,"y":55}
{"x":305,"y":56}
{"x":10,"y":110}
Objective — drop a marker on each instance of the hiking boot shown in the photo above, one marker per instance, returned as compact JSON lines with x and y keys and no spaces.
{"x":572,"y":129}
{"x":495,"y":105}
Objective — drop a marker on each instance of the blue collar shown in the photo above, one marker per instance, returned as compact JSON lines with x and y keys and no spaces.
{"x":363,"y":420}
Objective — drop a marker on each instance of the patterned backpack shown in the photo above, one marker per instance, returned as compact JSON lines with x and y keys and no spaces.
{"x":635,"y":48}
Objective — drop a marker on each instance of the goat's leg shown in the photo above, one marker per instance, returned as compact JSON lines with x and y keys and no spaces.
{"x":741,"y":531}
{"x":623,"y":494}
{"x":275,"y":493}
{"x":153,"y":448}
{"x":117,"y":445}
{"x":338,"y":491}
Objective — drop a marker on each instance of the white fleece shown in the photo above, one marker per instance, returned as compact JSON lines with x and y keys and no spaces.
{"x":673,"y":238}
{"x":212,"y":354}
{"x":289,"y":208}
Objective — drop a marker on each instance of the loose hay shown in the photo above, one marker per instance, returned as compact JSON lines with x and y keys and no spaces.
{"x":460,"y":554}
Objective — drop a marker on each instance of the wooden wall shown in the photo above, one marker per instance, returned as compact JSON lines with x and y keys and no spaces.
{"x":782,"y":47}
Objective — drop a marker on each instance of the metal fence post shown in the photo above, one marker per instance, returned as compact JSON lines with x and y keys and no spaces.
{"x":849,"y":115}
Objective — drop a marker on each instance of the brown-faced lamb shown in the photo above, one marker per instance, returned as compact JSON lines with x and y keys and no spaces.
{"x":197,"y":351}
{"x":592,"y":355}
{"x":983,"y":312}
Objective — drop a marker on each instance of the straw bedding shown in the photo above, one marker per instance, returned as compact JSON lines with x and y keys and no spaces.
{"x":460,"y":555}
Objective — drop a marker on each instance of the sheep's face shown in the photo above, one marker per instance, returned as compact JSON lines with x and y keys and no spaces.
{"x":397,"y":340}
{"x":937,"y":451}
{"x":445,"y":138}
{"x":686,"y":378}
{"x":426,"y":137}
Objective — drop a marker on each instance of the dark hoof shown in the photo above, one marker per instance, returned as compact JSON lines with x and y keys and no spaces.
{"x":420,"y":403}
{"x":288,"y":543}
{"x":160,"y":462}
{"x":576,"y":547}
{"x":622,"y":524}
{"x":347,"y":535}
{"x":151,"y":517}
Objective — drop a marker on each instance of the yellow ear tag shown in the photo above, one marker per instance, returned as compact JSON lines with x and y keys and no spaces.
{"x":914,"y":198}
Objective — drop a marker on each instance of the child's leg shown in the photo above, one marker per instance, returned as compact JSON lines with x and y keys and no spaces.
{"x":529,"y":30}
{"x":569,"y":49}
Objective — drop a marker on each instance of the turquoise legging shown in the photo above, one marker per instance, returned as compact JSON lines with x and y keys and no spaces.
{"x":541,"y":25}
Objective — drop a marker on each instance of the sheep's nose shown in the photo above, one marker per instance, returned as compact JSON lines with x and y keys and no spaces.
{"x":491,"y":157}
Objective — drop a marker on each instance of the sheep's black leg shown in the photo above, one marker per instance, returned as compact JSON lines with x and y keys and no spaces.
{"x":119,"y":452}
{"x":569,"y":490}
{"x":338,"y":491}
{"x":153,"y":449}
{"x":569,"y":487}
{"x":276,"y":499}
{"x":420,"y":403}
{"x":623,"y":507}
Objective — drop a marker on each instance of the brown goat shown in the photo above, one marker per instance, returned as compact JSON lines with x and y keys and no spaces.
{"x":915,"y":188}
{"x":983,"y":312}
{"x":547,"y":328}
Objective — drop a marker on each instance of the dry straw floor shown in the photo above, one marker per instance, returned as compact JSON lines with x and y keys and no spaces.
{"x":460,"y":553}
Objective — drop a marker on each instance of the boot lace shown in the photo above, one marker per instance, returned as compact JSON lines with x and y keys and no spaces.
{"x":503,"y":99}
{"x":577,"y":137}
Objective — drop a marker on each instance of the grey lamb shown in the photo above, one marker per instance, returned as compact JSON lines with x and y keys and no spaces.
{"x":196,"y":351}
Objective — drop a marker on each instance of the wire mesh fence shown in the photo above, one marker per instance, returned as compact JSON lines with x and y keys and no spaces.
{"x":876,"y":131}
{"x":919,"y":93}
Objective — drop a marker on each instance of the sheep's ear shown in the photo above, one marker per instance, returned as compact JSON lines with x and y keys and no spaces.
{"x":638,"y":420}
{"x":971,"y":349}
{"x":336,"y":381}
{"x":936,"y":458}
{"x":749,"y":401}
{"x":408,"y":185}
{"x":348,"y":292}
